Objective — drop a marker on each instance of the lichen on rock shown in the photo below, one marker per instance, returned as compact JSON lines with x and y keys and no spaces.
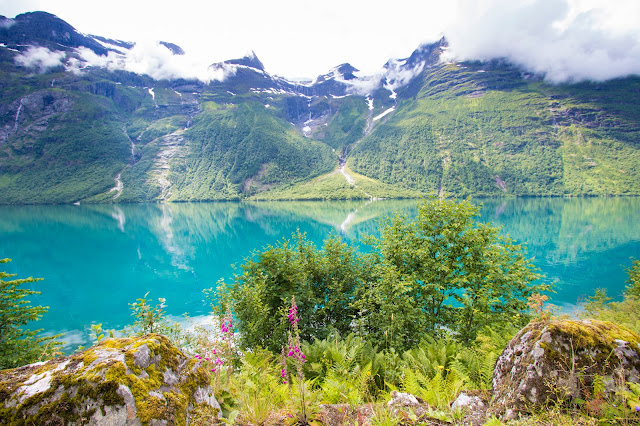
{"x":558,"y":360}
{"x":132,"y":381}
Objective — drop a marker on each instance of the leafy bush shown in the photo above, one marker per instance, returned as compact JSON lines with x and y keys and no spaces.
{"x":323,"y":282}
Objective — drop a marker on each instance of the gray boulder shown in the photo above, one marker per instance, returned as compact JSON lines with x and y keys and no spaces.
{"x":473,"y":405}
{"x":133,"y":381}
{"x":561,"y":360}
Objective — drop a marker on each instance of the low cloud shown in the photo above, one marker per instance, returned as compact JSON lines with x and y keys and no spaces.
{"x":394,"y":75}
{"x":152,"y":59}
{"x":40,"y":58}
{"x":550,"y":37}
{"x":6,"y":23}
{"x":399,"y":75}
{"x":363,"y":85}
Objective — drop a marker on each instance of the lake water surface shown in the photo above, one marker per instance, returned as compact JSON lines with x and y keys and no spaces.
{"x":96,"y":259}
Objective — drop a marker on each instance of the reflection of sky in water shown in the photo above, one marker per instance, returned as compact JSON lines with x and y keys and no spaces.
{"x":98,"y":259}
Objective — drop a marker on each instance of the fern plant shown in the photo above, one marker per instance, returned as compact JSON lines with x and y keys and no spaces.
{"x":350,"y":386}
{"x":438,"y":391}
{"x":431,"y":355}
{"x":475,"y":368}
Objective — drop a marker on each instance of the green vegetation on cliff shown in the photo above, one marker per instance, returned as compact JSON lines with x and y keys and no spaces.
{"x":236,"y":151}
{"x":482,"y":129}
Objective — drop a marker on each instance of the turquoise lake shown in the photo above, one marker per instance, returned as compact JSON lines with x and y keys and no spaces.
{"x":96,"y":259}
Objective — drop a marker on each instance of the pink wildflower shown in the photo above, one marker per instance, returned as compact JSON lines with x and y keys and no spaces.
{"x":293,"y":312}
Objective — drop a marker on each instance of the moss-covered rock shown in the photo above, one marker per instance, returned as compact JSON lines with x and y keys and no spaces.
{"x":131,"y":381}
{"x":563,"y":360}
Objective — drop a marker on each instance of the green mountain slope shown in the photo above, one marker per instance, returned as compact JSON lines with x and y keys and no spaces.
{"x":71,"y":133}
{"x":61,"y":145}
{"x":236,"y":151}
{"x":483,"y":129}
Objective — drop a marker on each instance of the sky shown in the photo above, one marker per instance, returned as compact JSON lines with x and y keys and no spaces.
{"x":566,"y":40}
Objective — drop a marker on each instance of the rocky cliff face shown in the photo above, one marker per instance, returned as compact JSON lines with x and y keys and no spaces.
{"x":119,"y":382}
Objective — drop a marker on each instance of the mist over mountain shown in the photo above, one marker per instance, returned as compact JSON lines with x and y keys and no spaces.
{"x":538,"y":36}
{"x":84,"y":118}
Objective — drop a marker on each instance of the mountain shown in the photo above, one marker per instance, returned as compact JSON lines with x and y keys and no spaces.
{"x":81,"y":123}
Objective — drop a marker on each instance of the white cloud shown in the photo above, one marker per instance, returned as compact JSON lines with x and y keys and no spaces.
{"x":40,"y":58}
{"x":291,"y":38}
{"x":363,"y":84}
{"x":565,"y":40}
{"x":399,"y":75}
{"x":154,"y":60}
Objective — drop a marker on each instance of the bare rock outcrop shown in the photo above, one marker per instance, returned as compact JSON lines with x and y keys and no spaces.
{"x":133,"y":381}
{"x":561,"y":360}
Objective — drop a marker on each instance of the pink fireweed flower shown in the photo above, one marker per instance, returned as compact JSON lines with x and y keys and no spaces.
{"x":293,"y":312}
{"x":283,"y":373}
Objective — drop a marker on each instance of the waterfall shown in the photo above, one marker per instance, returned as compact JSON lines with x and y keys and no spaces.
{"x":15,"y":126}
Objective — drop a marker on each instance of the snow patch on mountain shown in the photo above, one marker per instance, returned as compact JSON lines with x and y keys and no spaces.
{"x":378,"y":117}
{"x":111,"y":47}
{"x":369,"y":102}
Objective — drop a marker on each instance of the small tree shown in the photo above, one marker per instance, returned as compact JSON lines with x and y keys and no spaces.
{"x":444,"y":272}
{"x":17,"y":345}
{"x":633,"y":283}
{"x":323,"y":282}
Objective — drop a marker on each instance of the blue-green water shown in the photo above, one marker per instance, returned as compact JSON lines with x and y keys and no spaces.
{"x":96,"y":259}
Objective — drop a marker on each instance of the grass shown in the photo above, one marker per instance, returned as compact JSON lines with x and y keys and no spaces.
{"x":334,"y":186}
